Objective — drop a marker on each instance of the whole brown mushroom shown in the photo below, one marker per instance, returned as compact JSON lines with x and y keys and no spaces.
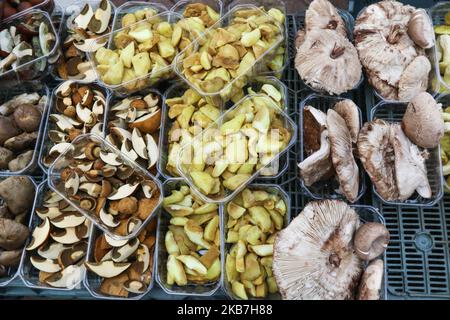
{"x":8,"y":129}
{"x":422,"y":121}
{"x":371,"y":240}
{"x":27,"y":117}
{"x":12,"y":234}
{"x":18,"y":193}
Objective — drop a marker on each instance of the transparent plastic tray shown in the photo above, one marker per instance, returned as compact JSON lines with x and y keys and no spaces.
{"x":92,"y":281}
{"x":28,"y":273}
{"x":31,"y":70}
{"x":326,"y":189}
{"x":133,"y":6}
{"x":226,"y":194}
{"x":45,"y":5}
{"x":29,"y":87}
{"x":147,"y":80}
{"x":431,"y":54}
{"x":12,"y":273}
{"x":116,"y":99}
{"x":251,"y":70}
{"x":393,"y":112}
{"x":272,"y":189}
{"x":55,"y":183}
{"x":204,"y":290}
{"x":349,"y":23}
{"x":175,"y":90}
{"x":47,"y":144}
{"x":269,"y":4}
{"x":63,"y":31}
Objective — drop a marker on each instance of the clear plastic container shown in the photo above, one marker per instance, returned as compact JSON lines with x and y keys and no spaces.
{"x":39,"y":66}
{"x":327,"y":189}
{"x":12,"y":273}
{"x":192,"y":289}
{"x":133,"y":6}
{"x":55,"y":183}
{"x":393,"y":112}
{"x":47,"y":144}
{"x":350,"y":24}
{"x":251,"y":70}
{"x":225,"y":195}
{"x":269,"y":4}
{"x":175,"y":90}
{"x":272,"y":189}
{"x":108,"y":117}
{"x":63,"y":31}
{"x":148,"y":80}
{"x":8,"y":93}
{"x":92,"y":281}
{"x":28,"y":273}
{"x":45,"y":5}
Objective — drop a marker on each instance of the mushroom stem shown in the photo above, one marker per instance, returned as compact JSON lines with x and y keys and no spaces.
{"x":334,"y":260}
{"x":394,"y":34}
{"x":333,"y":24}
{"x":337,"y":52}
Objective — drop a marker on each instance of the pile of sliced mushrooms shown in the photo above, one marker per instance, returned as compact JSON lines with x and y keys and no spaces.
{"x":58,"y":244}
{"x":124,"y":266}
{"x":328,"y":141}
{"x":20,"y":120}
{"x":192,"y":240}
{"x":223,"y":157}
{"x":76,"y":109}
{"x":83,"y":26}
{"x":99,"y":182}
{"x":391,"y":39}
{"x":326,"y":253}
{"x":16,"y":199}
{"x":326,"y":60}
{"x":133,"y":126}
{"x":25,"y":41}
{"x":254,"y":218}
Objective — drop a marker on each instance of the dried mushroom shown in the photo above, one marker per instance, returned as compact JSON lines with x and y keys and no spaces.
{"x":314,"y":257}
{"x":254,"y":218}
{"x":224,"y":156}
{"x":192,"y":240}
{"x":17,"y":197}
{"x":125,"y":269}
{"x":77,"y":109}
{"x":133,"y":126}
{"x":390,"y":37}
{"x":102,"y":184}
{"x":395,"y":165}
{"x":20,"y":120}
{"x":226,"y":54}
{"x":84,"y":25}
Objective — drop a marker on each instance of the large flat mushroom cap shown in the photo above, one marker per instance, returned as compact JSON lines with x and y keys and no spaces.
{"x":344,"y":163}
{"x":328,"y":61}
{"x":376,"y":152}
{"x":414,"y":78}
{"x":321,"y":14}
{"x":410,"y":170}
{"x":314,"y":256}
{"x":348,"y":110}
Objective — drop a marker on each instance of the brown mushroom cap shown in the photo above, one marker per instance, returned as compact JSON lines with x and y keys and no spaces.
{"x":328,"y":61}
{"x":422,"y":121}
{"x":18,"y":193}
{"x":344,"y":163}
{"x":371,"y":240}
{"x":10,"y":258}
{"x":12,"y":234}
{"x":8,"y":129}
{"x":321,"y":14}
{"x":349,"y":111}
{"x":414,"y":78}
{"x":27,"y":117}
{"x":314,"y":257}
{"x":420,"y":29}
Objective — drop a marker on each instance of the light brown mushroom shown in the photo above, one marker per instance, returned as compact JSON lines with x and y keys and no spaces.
{"x":371,"y":240}
{"x":321,"y":14}
{"x":349,"y":111}
{"x":420,"y":29}
{"x":371,"y":281}
{"x":12,"y":234}
{"x":414,"y":78}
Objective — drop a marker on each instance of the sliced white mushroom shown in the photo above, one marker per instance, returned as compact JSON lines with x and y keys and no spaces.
{"x":67,"y":278}
{"x":148,"y":187}
{"x":110,"y":158}
{"x":135,"y":286}
{"x":85,"y":16}
{"x":120,"y":254}
{"x":84,"y":114}
{"x":53,"y":198}
{"x":57,"y":136}
{"x":98,"y":108}
{"x":127,"y":149}
{"x":108,"y":219}
{"x":64,"y":122}
{"x":51,"y":251}
{"x":97,"y":129}
{"x":66,"y":236}
{"x":152,"y":149}
{"x":86,"y":166}
{"x":60,"y":148}
{"x":39,"y":235}
{"x":108,"y":255}
{"x":108,"y":269}
{"x":133,"y":224}
{"x":46,"y":212}
{"x":115,"y":243}
{"x":45,"y":265}
{"x":72,"y":183}
{"x":143,"y":256}
{"x":121,"y":133}
{"x":68,"y":220}
{"x":139,"y":144}
{"x":92,"y":189}
{"x":131,"y":114}
{"x":123,"y":105}
{"x":90,"y":45}
{"x":123,"y":192}
{"x":64,"y":89}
